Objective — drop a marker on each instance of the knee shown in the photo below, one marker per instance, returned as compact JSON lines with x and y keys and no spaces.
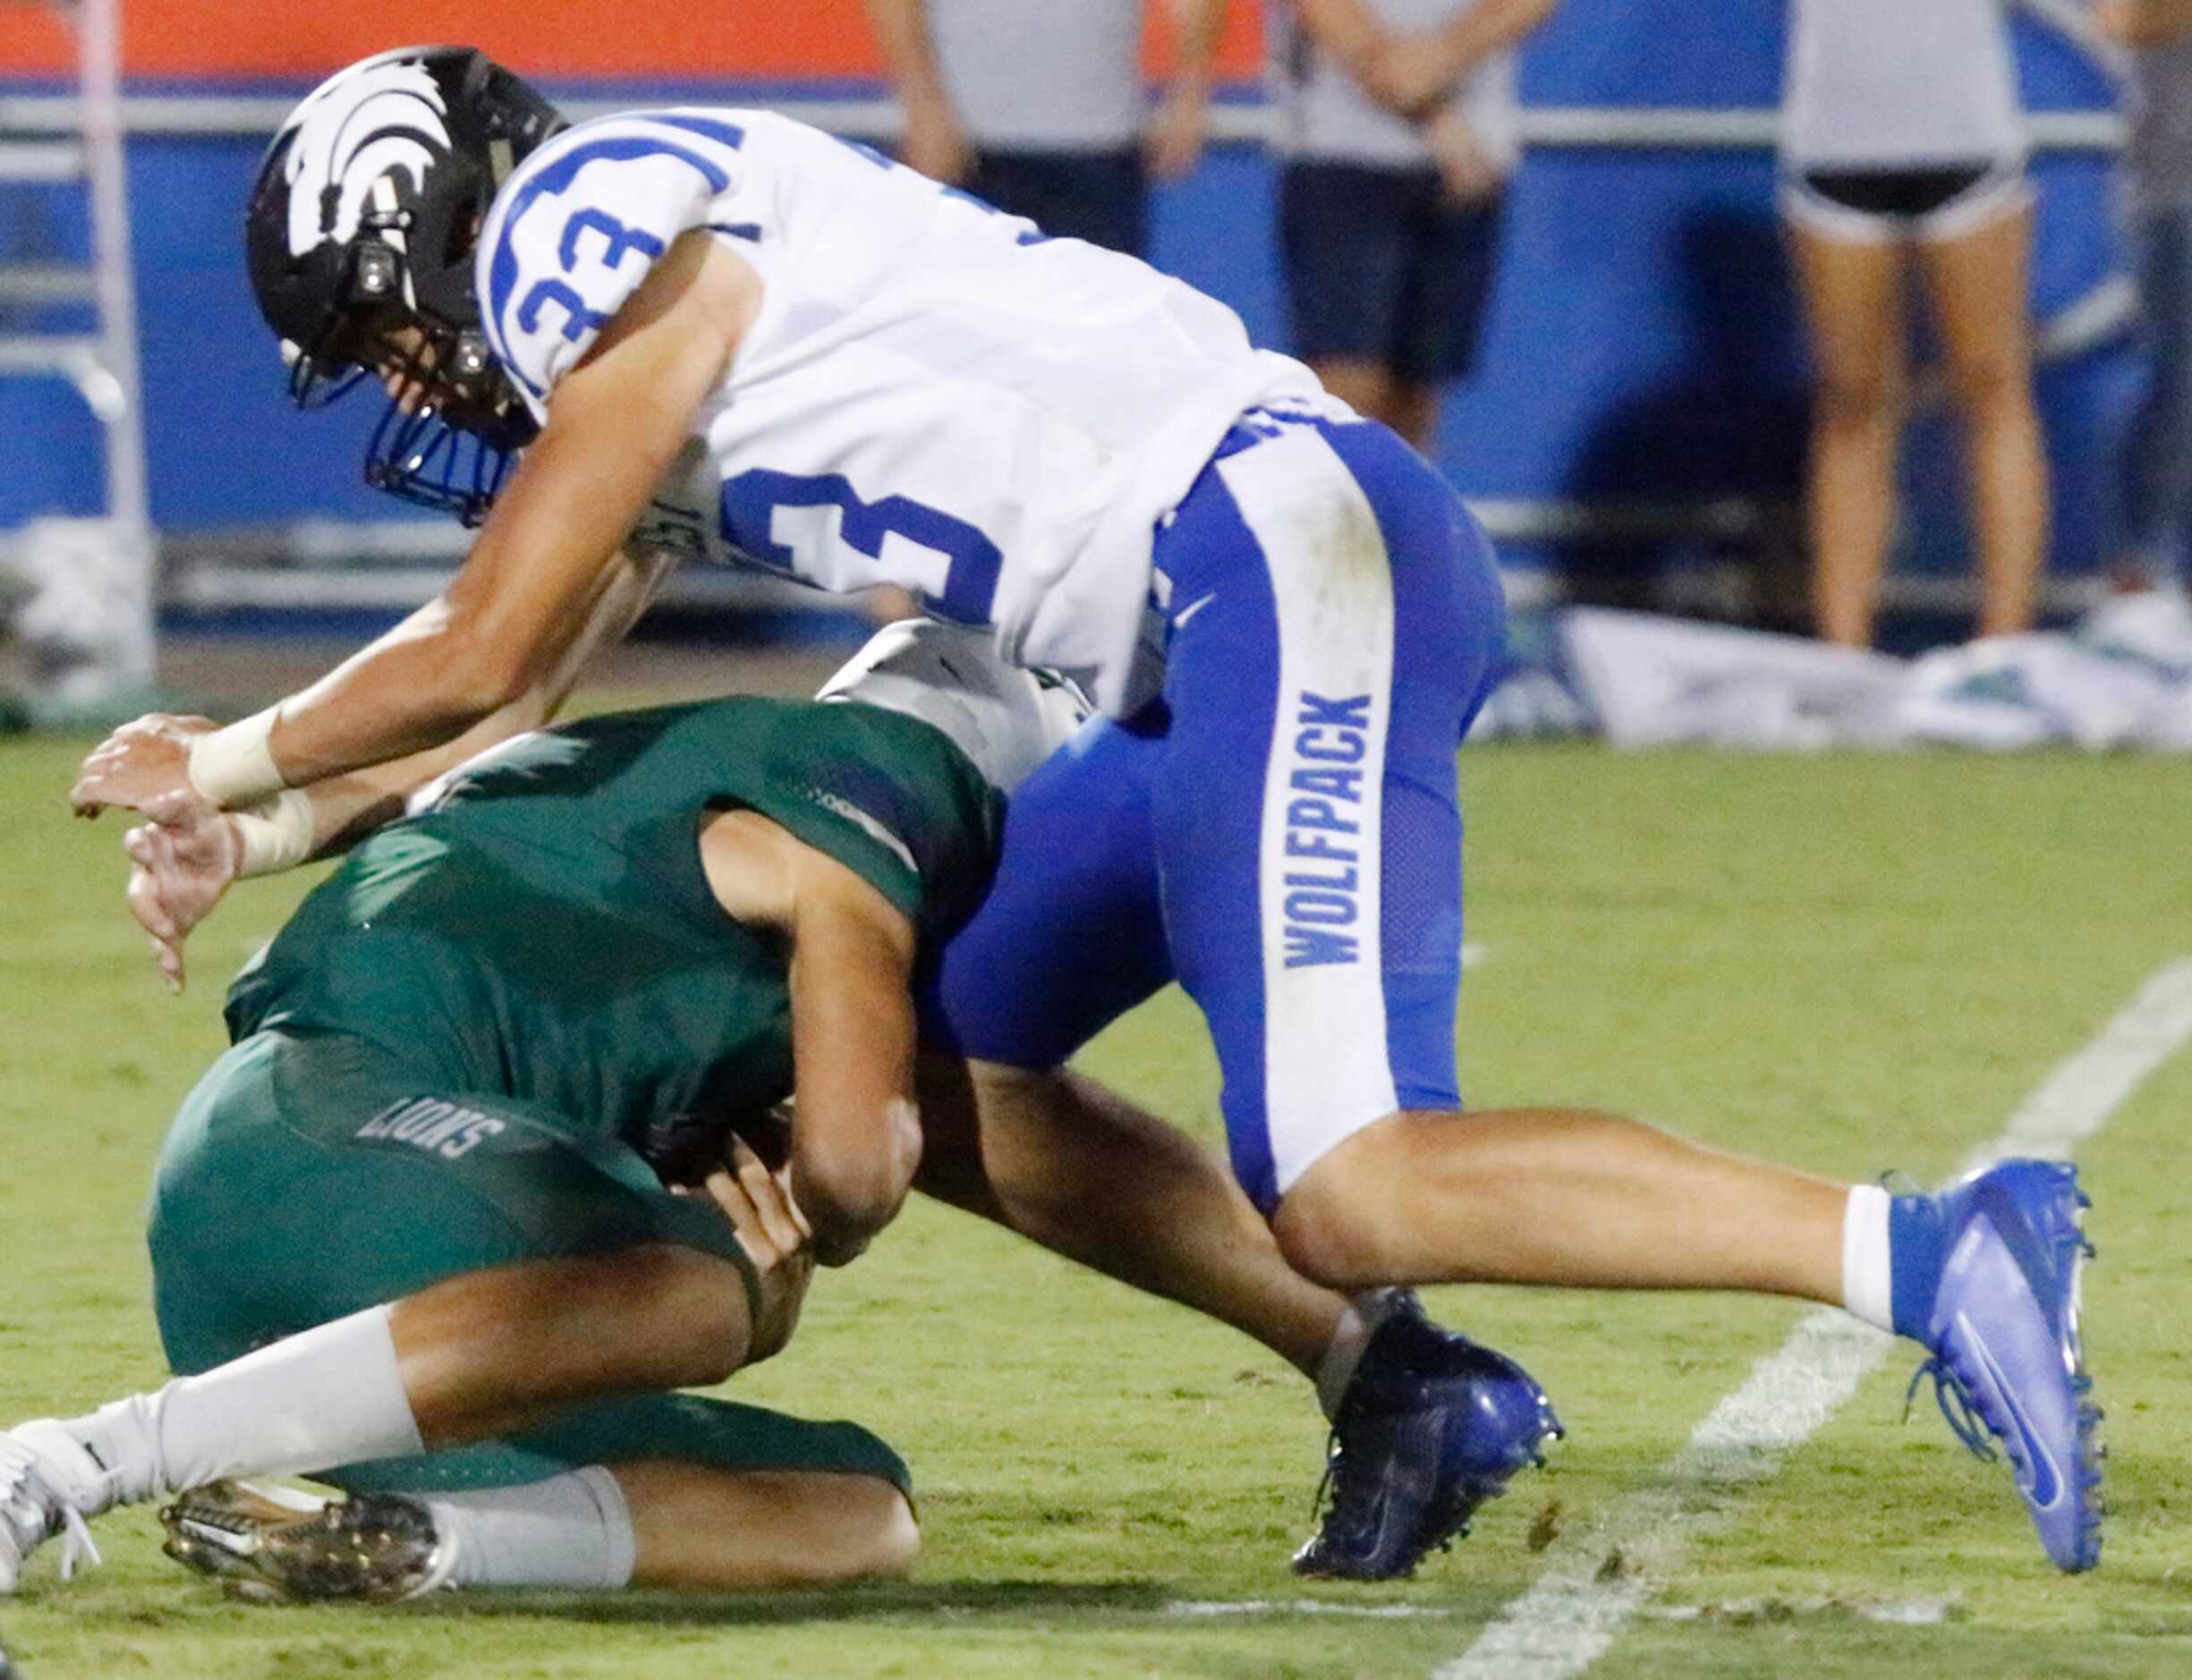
{"x":1992,"y":387}
{"x":1850,"y":400}
{"x":1329,"y":1231}
{"x":896,"y":1540}
{"x":879,"y":1536}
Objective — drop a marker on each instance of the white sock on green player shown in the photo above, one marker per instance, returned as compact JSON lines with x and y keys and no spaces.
{"x":329,"y":1395}
{"x":570,"y":1531}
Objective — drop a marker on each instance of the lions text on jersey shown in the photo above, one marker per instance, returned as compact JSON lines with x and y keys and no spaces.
{"x":933,"y":395}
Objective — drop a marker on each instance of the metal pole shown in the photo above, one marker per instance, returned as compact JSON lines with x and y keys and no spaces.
{"x":117,"y":393}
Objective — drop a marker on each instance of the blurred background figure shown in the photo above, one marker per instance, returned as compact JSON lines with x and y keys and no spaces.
{"x":1399,"y":126}
{"x":1041,"y":108}
{"x":2157,"y":181}
{"x":1902,"y":148}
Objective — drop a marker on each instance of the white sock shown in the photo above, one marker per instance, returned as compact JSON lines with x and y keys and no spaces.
{"x":571,"y":1531}
{"x":1867,"y":1283}
{"x":331,"y":1396}
{"x":1358,"y":1322}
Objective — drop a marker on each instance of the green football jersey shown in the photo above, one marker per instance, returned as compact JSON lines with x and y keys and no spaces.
{"x":544,"y":932}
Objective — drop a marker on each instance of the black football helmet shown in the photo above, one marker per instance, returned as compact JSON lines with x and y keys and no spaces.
{"x":360,"y":239}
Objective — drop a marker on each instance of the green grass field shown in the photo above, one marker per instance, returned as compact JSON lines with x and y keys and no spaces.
{"x":1850,"y":964}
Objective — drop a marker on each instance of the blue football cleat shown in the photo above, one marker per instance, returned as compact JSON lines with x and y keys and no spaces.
{"x":1430,"y":1427}
{"x":2000,"y":1316}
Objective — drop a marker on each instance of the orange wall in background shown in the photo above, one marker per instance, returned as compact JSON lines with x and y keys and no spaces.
{"x":644,"y":38}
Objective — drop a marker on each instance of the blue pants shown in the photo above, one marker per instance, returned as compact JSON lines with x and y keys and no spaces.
{"x":1281,"y":830}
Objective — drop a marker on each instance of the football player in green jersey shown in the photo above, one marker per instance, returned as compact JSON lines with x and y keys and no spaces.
{"x":410,"y":1235}
{"x":407,"y":1232}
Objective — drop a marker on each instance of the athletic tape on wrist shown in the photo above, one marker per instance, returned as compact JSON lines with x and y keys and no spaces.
{"x":233,"y":766}
{"x":276,"y":833}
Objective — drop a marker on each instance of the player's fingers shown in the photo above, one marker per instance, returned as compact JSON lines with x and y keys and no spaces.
{"x":731,"y":1196}
{"x":86,"y":798}
{"x":147,"y":904}
{"x":771,"y":1205}
{"x":169,"y":955}
{"x":783,"y":1175}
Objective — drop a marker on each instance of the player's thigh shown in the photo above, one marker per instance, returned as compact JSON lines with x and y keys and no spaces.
{"x":722,"y":1435}
{"x":1070,"y":936}
{"x":1307,"y":819}
{"x":285,"y":1199}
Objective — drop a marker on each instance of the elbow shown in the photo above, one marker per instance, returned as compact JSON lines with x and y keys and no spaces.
{"x":850,"y":1194}
{"x":848,"y":1205}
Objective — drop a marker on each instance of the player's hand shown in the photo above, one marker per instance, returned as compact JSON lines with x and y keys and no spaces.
{"x":934,"y":142}
{"x":181,"y":862}
{"x":1178,"y":131}
{"x":139,"y":762}
{"x":1470,"y":174}
{"x":775,"y":1235}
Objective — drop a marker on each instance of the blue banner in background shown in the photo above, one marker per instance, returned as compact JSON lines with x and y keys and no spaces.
{"x":1642,"y":344}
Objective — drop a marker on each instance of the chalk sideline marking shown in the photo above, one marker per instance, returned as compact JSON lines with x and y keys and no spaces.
{"x":1580,"y":1605}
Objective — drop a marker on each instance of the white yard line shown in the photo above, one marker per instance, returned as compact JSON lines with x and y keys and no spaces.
{"x":1203,"y":1609}
{"x":1598,"y":1582}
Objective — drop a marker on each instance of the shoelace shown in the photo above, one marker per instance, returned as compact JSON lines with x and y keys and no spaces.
{"x":1965,"y":1420}
{"x":77,"y":1546}
{"x":1351,"y":1499}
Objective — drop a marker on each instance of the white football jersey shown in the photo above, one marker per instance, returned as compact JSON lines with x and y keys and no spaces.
{"x":933,"y":394}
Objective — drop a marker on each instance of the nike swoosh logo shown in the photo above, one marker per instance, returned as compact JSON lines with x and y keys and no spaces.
{"x":1180,"y":618}
{"x":2040,"y":1479}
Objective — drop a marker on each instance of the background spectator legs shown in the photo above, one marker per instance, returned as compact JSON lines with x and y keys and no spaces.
{"x":1854,"y":295}
{"x":2157,"y":488}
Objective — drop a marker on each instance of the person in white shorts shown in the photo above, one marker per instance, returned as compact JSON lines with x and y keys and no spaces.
{"x":1399,"y":127}
{"x":1041,"y":111}
{"x":1902,"y":146}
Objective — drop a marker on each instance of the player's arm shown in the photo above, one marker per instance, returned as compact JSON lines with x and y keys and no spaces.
{"x":188,"y":855}
{"x":856,"y":1140}
{"x":348,"y":806}
{"x":518,"y":603}
{"x":614,"y":425}
{"x":934,"y":142}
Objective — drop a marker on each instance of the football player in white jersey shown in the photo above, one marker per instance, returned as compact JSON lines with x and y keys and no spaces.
{"x":748,"y":342}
